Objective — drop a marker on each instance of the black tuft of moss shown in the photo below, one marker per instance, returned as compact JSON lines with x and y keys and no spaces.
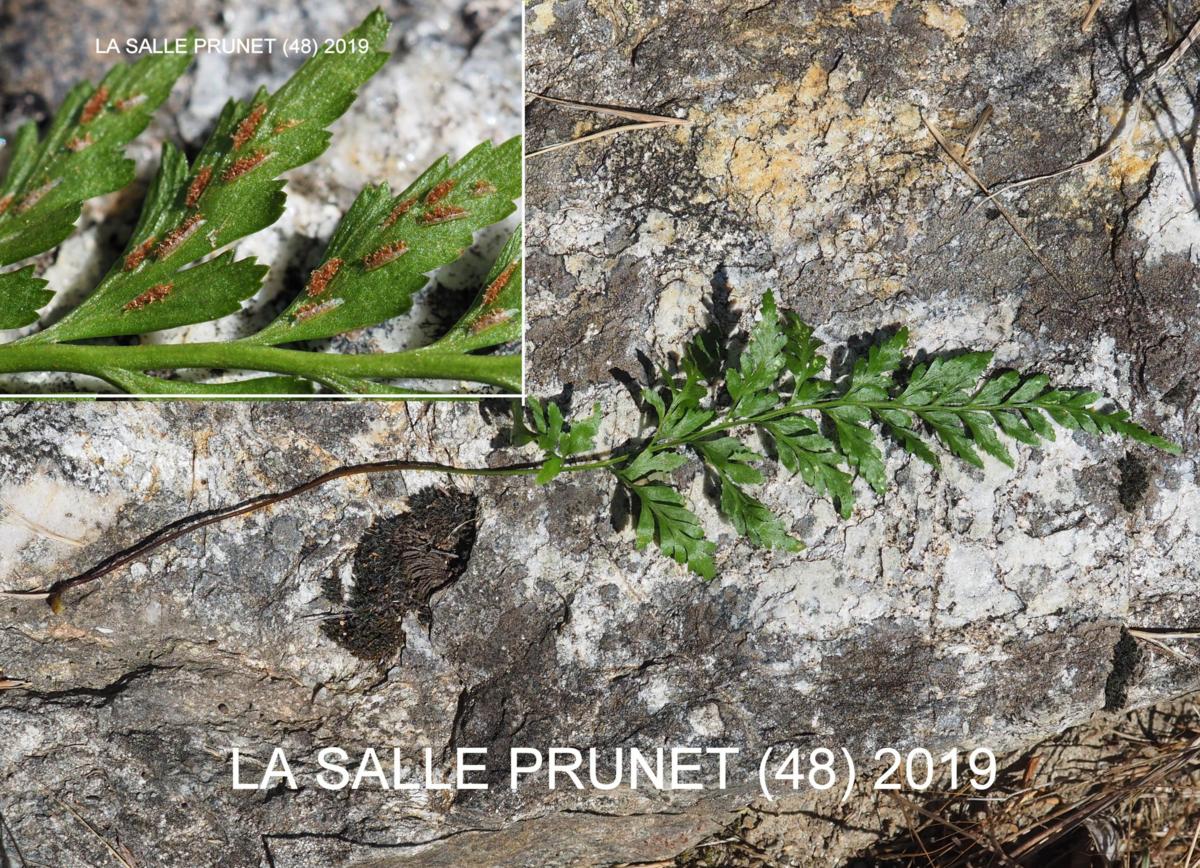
{"x":400,"y":563}
{"x":1127,"y":658}
{"x":1135,"y":482}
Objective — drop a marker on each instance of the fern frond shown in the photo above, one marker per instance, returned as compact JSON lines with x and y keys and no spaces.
{"x":386,"y":246}
{"x":825,"y":432}
{"x":232,"y":190}
{"x":80,"y":157}
{"x":694,"y":414}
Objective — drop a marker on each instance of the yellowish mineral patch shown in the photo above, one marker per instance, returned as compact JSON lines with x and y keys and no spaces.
{"x":946,"y":19}
{"x":1137,"y":154}
{"x":821,"y":178}
{"x":846,"y":13}
{"x":543,"y":17}
{"x":1131,"y":165}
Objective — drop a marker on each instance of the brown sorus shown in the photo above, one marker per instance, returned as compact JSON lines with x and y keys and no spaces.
{"x":94,"y":105}
{"x":138,"y":254}
{"x":399,"y":211}
{"x":78,"y":144}
{"x":315,"y":308}
{"x":490,"y":319}
{"x":440,"y":191}
{"x":34,"y":196}
{"x":249,"y":125}
{"x":483,"y":188}
{"x":4,"y":203}
{"x":443,"y":214}
{"x":384,"y":255}
{"x":124,"y":105}
{"x":284,"y":126}
{"x":243,"y":165}
{"x":497,"y":286}
{"x":178,"y":235}
{"x":150,"y":296}
{"x":198,"y":186}
{"x":319,"y":280}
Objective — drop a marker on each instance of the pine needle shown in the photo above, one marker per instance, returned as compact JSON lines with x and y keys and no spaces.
{"x":612,"y":131}
{"x":1009,"y":218}
{"x":642,"y":121}
{"x":120,"y":858}
{"x":628,"y":114}
{"x":1123,"y":132}
{"x":976,"y":129}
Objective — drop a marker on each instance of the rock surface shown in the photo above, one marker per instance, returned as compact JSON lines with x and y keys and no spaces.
{"x":974,"y":607}
{"x":967,"y":608}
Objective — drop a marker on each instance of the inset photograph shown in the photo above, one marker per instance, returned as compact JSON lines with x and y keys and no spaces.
{"x":212,"y":200}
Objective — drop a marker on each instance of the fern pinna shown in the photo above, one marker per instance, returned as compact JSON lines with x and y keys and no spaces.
{"x":173,"y":271}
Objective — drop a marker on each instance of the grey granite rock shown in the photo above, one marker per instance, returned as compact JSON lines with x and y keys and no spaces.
{"x":967,"y":608}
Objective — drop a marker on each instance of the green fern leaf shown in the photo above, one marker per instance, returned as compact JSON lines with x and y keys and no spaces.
{"x":494,"y":319}
{"x":762,"y":360}
{"x":802,"y":359}
{"x":732,"y":462}
{"x":871,"y":379}
{"x":804,"y":450}
{"x":173,"y":272}
{"x":21,"y":294}
{"x":386,"y":246}
{"x":857,"y":444}
{"x":752,"y":519}
{"x":647,"y":463}
{"x":684,"y":416}
{"x":556,"y":440}
{"x":664,"y":518}
{"x":82,"y":155}
{"x":230,"y":192}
